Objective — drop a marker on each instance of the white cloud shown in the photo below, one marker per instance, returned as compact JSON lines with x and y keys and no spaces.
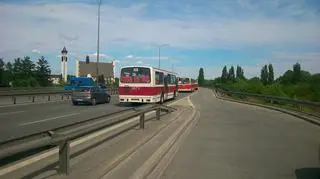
{"x":139,"y":62}
{"x":101,"y":55}
{"x":36,"y":51}
{"x":54,"y":25}
{"x":147,"y":58}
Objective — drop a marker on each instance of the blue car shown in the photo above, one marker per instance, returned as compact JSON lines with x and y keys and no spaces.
{"x":76,"y":82}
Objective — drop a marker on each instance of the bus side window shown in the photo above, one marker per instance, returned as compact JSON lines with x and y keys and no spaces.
{"x":159,"y":78}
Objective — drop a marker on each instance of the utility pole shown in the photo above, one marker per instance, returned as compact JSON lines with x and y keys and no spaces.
{"x":159,"y":58}
{"x":98,"y":40}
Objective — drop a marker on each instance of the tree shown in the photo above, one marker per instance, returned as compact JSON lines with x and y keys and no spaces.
{"x":101,"y":79}
{"x":43,"y":72}
{"x":264,"y":75}
{"x":231,"y":76}
{"x":201,"y":77}
{"x":116,"y":82}
{"x":224,"y":75}
{"x":296,"y":76}
{"x":9,"y":70}
{"x":2,"y":73}
{"x":24,"y":72}
{"x":28,"y":67}
{"x":239,"y":73}
{"x":286,"y":78}
{"x":270,"y":74}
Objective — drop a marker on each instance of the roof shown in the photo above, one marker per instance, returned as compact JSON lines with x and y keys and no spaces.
{"x":142,"y":66}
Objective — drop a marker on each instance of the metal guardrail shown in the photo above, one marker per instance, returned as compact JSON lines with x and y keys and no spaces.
{"x":49,"y":93}
{"x":62,"y":136}
{"x":274,"y":99}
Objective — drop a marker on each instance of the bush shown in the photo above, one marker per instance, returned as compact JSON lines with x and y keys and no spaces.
{"x":275,"y":90}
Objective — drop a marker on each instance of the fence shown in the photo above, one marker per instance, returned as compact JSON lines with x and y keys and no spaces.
{"x":307,"y":107}
{"x":62,"y":136}
{"x":48,"y":94}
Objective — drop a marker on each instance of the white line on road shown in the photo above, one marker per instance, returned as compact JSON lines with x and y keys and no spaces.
{"x":7,"y":113}
{"x":48,"y":119}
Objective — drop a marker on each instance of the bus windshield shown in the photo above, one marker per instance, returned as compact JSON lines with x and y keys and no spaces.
{"x":135,"y":75}
{"x":185,"y":80}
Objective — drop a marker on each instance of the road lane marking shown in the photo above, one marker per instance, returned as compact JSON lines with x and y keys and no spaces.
{"x":170,"y":104}
{"x":48,"y":119}
{"x":191,"y":104}
{"x":75,"y":143}
{"x":8,"y":113}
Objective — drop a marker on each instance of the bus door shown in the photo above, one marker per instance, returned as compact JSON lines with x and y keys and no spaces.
{"x":166,"y":88}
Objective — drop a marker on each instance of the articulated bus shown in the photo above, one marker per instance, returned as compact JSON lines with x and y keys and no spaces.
{"x":185,"y":85}
{"x":144,"y":84}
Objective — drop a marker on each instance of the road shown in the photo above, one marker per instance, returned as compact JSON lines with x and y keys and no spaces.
{"x":233,"y":140}
{"x":21,"y":120}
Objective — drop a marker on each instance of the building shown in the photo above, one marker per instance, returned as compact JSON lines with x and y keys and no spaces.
{"x":84,"y":69}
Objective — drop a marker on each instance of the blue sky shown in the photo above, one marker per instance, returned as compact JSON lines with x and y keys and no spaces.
{"x":202,"y":33}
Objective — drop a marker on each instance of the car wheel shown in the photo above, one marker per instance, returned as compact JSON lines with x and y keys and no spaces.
{"x":107,"y":99}
{"x":74,"y":103}
{"x":94,"y":101}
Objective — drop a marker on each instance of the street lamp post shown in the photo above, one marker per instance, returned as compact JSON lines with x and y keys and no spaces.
{"x":159,"y":58}
{"x":159,"y":47}
{"x":98,"y":39}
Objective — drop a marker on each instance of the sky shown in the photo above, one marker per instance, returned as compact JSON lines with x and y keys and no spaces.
{"x":191,"y":33}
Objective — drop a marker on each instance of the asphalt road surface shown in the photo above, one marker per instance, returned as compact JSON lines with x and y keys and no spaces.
{"x":235,"y":141}
{"x":22,"y":120}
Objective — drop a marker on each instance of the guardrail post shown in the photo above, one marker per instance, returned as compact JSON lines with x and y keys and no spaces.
{"x":158,"y":114}
{"x":142,"y":120}
{"x":14,"y":100}
{"x":64,"y":150}
{"x":49,"y":98}
{"x":33,"y":99}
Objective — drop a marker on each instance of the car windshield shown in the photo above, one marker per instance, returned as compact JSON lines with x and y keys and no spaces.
{"x":135,"y":75}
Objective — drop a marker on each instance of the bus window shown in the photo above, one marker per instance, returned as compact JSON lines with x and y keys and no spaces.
{"x":159,"y":78}
{"x":185,"y":80}
{"x":135,"y":75}
{"x":171,"y":79}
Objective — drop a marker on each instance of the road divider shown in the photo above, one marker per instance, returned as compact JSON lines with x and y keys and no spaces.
{"x":63,"y":136}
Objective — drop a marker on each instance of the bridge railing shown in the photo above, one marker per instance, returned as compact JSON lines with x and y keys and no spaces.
{"x":62,"y":136}
{"x":32,"y":95}
{"x":307,"y":107}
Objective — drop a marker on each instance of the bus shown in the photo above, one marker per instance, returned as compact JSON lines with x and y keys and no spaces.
{"x":195,"y":84}
{"x":185,"y":84}
{"x":145,"y":84}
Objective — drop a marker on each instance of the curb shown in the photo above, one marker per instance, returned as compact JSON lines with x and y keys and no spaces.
{"x":313,"y":121}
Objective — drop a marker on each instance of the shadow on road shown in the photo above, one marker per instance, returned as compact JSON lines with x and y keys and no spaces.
{"x":308,"y":173}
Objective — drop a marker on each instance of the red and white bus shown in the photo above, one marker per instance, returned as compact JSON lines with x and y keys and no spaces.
{"x":185,"y":85}
{"x":195,"y":84}
{"x":144,"y":84}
